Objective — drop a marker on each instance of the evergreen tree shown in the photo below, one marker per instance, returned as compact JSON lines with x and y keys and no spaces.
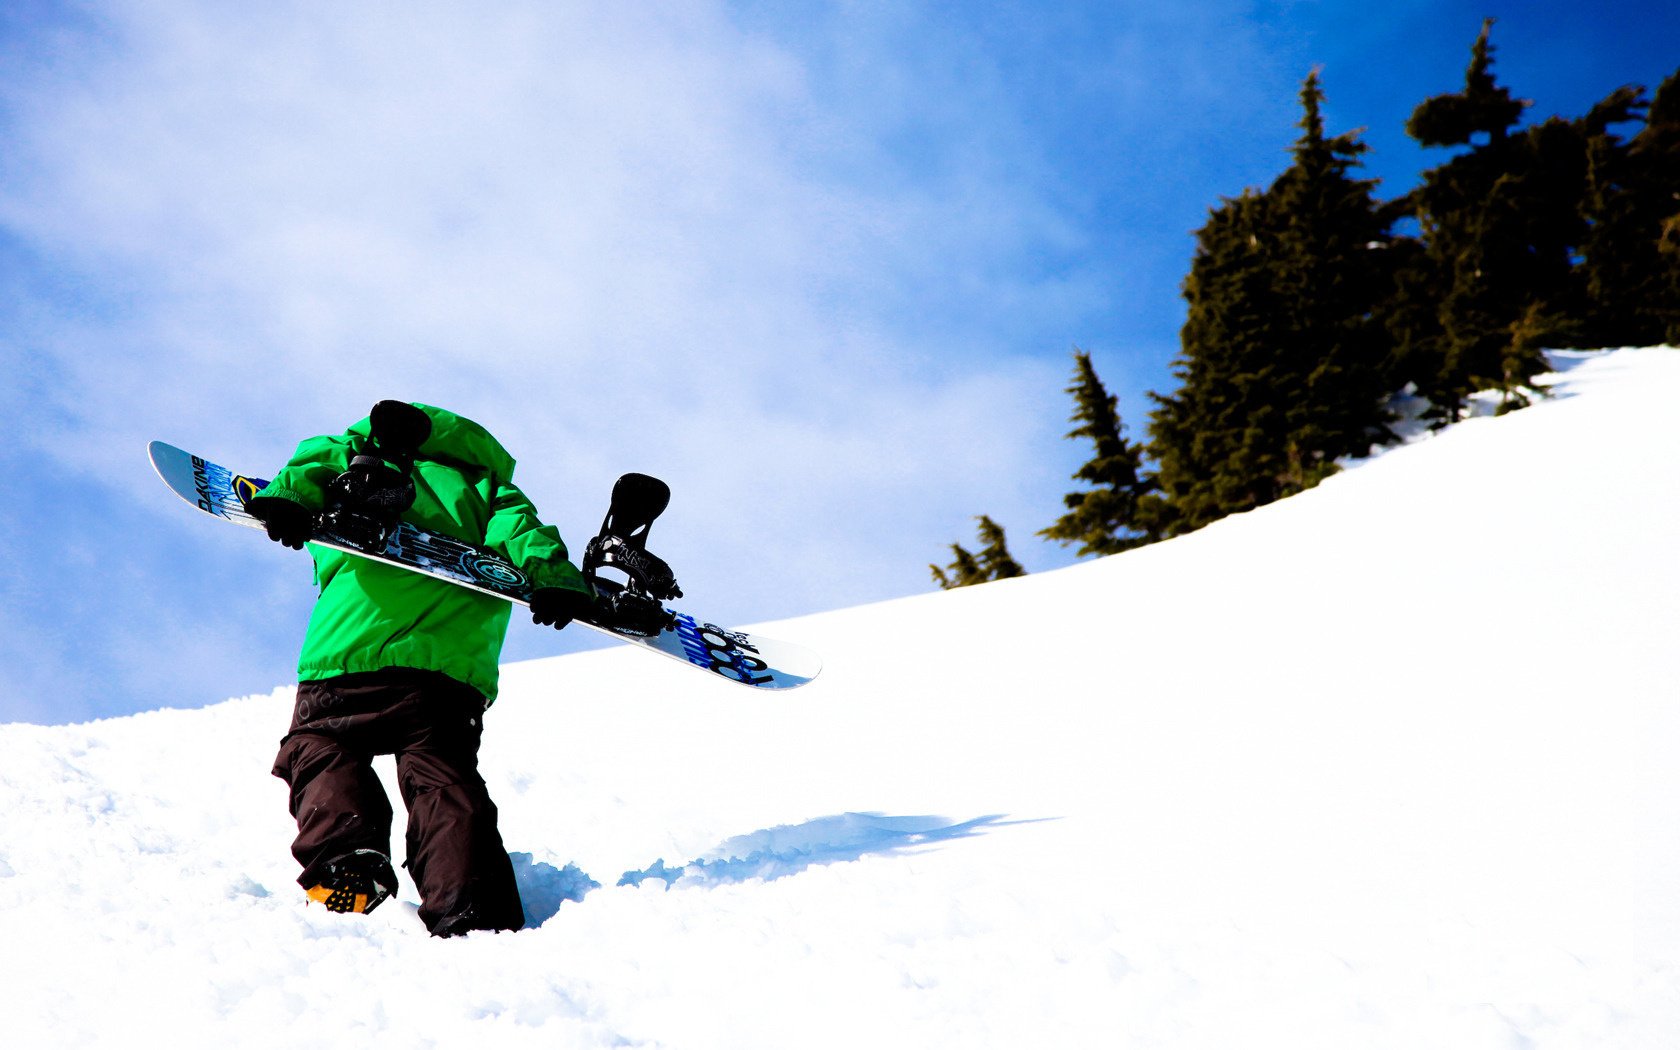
{"x":992,"y":562}
{"x":1669,"y":249}
{"x":994,"y":554}
{"x":1335,"y":267}
{"x":1284,"y":367}
{"x":1411,"y":315}
{"x":1525,"y":354}
{"x":1482,"y":107}
{"x":1500,"y":226}
{"x":1104,"y":518}
{"x":1630,"y":286}
{"x":964,"y":570}
{"x":1658,"y":150}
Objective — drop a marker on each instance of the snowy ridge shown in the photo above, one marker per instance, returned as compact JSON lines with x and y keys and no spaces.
{"x":1388,"y":764}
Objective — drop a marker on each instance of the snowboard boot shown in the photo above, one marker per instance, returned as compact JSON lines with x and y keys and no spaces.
{"x":469,"y":920}
{"x":356,"y":882}
{"x":365,"y":503}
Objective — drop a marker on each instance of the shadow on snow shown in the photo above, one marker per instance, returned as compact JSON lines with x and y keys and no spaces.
{"x":773,"y":853}
{"x":543,"y":887}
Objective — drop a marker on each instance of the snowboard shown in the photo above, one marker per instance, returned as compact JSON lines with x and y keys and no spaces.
{"x":738,"y":656}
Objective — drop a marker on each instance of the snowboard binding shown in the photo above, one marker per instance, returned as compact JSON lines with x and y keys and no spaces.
{"x":365,"y":504}
{"x":631,"y":606}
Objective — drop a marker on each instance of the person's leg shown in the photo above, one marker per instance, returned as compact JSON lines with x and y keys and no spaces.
{"x":336,"y":798}
{"x":455,"y":851}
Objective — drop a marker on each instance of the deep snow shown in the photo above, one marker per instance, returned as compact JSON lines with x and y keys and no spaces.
{"x":1388,"y":764}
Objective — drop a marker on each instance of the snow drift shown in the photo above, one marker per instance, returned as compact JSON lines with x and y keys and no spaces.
{"x":1388,"y":764}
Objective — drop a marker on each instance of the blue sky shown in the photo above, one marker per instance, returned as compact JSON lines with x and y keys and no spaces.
{"x":820,"y":266}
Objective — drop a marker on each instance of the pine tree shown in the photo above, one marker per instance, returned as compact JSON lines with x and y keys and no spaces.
{"x":1411,"y":315}
{"x":1198,"y":431}
{"x":1524,"y":355}
{"x":1334,"y":266}
{"x":994,"y":555}
{"x":1668,"y":248}
{"x":1630,"y":286}
{"x":992,"y":562}
{"x":1500,"y":227}
{"x":1284,"y":366}
{"x":1105,"y":518}
{"x":964,"y":570}
{"x":1658,"y":147}
{"x":1482,"y":107}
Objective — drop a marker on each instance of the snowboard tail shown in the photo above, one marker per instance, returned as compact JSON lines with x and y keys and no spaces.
{"x":738,"y":656}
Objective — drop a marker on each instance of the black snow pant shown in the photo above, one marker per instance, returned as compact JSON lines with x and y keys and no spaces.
{"x":432,"y":724}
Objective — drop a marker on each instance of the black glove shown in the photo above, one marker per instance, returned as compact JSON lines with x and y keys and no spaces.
{"x":558,"y":606}
{"x":287,"y":521}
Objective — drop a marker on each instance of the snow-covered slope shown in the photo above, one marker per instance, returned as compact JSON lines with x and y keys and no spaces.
{"x":1389,"y":764}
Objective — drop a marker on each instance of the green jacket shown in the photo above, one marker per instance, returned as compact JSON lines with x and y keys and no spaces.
{"x":371,"y":615}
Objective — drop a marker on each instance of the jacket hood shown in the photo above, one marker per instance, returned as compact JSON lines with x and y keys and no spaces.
{"x":455,"y":439}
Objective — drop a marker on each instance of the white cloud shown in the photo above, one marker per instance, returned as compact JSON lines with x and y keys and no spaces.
{"x":622,"y":239}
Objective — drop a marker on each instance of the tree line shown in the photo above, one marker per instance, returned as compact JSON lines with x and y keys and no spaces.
{"x":1313,"y":304}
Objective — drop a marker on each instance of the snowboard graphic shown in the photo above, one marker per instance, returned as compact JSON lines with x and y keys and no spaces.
{"x":751,"y":660}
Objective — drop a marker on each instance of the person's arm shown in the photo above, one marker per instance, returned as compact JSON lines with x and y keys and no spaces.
{"x":287,"y":505}
{"x":559,"y":593}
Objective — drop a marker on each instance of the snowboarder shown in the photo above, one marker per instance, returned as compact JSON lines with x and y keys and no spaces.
{"x":395,"y":662}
